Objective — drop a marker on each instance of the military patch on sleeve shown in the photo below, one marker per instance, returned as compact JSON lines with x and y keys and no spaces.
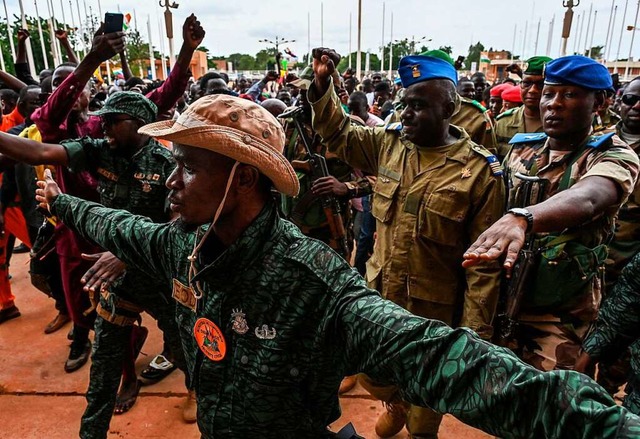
{"x":494,"y":163}
{"x":598,"y":141}
{"x":527,"y":138}
{"x":184,"y":295}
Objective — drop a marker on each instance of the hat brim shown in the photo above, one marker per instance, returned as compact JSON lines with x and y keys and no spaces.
{"x":234,"y":144}
{"x":301,"y":83}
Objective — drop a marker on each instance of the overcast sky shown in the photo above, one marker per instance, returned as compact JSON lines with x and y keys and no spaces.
{"x":237,"y":26}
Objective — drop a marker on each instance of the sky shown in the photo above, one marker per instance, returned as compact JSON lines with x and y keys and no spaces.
{"x":236,"y":27}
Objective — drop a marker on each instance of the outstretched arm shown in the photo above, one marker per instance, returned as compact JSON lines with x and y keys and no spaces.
{"x":61,"y":35}
{"x":31,"y":152}
{"x":21,"y":65}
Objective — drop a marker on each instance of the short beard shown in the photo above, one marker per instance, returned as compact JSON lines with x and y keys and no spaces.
{"x":183,"y":226}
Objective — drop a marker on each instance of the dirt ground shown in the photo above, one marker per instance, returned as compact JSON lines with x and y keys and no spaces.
{"x":39,"y":400}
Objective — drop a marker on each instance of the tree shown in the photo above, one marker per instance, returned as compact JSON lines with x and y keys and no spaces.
{"x":596,"y":52}
{"x":137,"y":53}
{"x":266,"y":59}
{"x":474,"y":54}
{"x":446,"y":49}
{"x":242,"y":61}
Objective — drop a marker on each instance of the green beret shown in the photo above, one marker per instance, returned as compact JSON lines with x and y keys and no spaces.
{"x":535,"y":65}
{"x":439,"y":54}
{"x":129,"y":103}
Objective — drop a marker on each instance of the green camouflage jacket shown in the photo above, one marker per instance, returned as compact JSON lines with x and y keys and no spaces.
{"x":294,"y":319}
{"x":618,"y":327}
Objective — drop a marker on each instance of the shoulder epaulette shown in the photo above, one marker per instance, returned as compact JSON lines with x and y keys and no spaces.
{"x":395,"y":126}
{"x":597,"y":141}
{"x":494,"y":163}
{"x":506,"y":113}
{"x":479,"y":106}
{"x":527,"y":138}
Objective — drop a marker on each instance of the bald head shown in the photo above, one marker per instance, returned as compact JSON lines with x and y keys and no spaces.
{"x":274,"y":106}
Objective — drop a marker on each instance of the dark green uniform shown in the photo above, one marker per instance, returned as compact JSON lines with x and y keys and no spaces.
{"x":295,"y":318}
{"x":135,"y":184}
{"x":618,"y":327}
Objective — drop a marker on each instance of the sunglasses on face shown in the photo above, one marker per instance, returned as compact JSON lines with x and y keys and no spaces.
{"x":111,"y":120}
{"x":630,"y":99}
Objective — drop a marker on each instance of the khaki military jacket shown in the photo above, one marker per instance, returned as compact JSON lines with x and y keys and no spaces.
{"x":475,"y":120}
{"x":508,"y":124}
{"x":425,"y":218}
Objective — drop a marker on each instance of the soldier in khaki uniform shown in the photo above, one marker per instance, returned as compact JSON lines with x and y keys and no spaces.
{"x":436,"y":192}
{"x":589,"y":177}
{"x":524,"y":119}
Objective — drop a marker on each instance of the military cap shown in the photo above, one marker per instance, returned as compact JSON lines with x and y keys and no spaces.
{"x":511,"y":94}
{"x":437,"y":53}
{"x":535,"y":65}
{"x":130,"y":103}
{"x":578,"y":70}
{"x":304,"y":81}
{"x":496,"y":90}
{"x":419,"y":68}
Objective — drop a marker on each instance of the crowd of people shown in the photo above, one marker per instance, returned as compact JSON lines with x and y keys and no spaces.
{"x":299,"y":233}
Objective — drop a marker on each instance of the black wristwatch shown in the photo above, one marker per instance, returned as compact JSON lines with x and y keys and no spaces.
{"x":522,"y":212}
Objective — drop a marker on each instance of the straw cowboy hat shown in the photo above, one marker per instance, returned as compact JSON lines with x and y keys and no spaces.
{"x":236,"y":128}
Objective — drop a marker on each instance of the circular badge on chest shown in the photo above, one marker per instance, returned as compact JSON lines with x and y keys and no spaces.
{"x":210,"y":339}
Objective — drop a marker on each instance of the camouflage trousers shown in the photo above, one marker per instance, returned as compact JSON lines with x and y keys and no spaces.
{"x":110,"y":348}
{"x":422,"y":422}
{"x":550,"y":345}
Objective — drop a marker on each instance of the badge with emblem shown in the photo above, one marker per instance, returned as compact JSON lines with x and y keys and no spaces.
{"x":264,"y":333}
{"x":210,"y":339}
{"x":146,"y":187}
{"x":240,"y":325}
{"x":466,"y":173}
{"x":415,"y":71}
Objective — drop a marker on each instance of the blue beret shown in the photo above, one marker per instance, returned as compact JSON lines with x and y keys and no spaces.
{"x":578,"y":70}
{"x":418,"y":68}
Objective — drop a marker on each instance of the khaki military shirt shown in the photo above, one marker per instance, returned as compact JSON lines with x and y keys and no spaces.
{"x":612,"y":159}
{"x":626,"y":242}
{"x":426,"y":217}
{"x":508,"y":124}
{"x":475,"y":120}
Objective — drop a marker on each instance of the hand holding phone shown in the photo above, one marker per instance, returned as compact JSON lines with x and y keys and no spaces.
{"x":113,"y":22}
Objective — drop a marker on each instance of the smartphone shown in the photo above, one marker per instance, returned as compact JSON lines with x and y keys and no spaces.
{"x":113,"y":22}
{"x":461,"y":59}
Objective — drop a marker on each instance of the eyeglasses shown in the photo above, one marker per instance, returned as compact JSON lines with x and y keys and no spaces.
{"x":528,"y":84}
{"x":630,"y":100}
{"x":110,"y":120}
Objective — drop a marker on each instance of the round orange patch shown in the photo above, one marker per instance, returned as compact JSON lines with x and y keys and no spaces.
{"x":210,"y":339}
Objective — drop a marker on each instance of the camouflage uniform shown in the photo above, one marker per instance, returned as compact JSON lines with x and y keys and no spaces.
{"x":430,"y":204}
{"x":551,"y":338}
{"x":618,"y":327}
{"x":305,"y":210}
{"x":609,"y":120}
{"x":474,"y":118}
{"x":295,"y":318}
{"x":508,"y":124}
{"x":135,"y":184}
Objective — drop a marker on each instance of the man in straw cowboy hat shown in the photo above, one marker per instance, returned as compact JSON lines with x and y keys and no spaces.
{"x":272,"y":320}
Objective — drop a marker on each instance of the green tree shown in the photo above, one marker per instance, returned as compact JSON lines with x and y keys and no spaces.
{"x":596,"y":52}
{"x":266,"y":59}
{"x":137,"y":53}
{"x":474,"y":54}
{"x":242,"y":61}
{"x":446,"y":49}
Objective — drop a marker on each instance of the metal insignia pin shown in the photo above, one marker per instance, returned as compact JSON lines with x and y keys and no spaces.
{"x":240,"y":325}
{"x":466,"y":173}
{"x":264,"y":333}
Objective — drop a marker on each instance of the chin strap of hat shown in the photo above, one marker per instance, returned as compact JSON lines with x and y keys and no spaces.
{"x":199,"y":243}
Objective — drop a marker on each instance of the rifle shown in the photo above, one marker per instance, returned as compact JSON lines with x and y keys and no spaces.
{"x":530,"y":191}
{"x":316,"y":164}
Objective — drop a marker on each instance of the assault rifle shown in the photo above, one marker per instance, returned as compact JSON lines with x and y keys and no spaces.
{"x":316,"y":165}
{"x":530,"y":191}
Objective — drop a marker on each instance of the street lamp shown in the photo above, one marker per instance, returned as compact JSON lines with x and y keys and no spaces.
{"x":168,"y":22}
{"x":277,"y":44}
{"x":413,"y":42}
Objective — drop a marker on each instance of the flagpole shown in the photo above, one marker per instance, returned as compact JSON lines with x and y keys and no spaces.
{"x":80,"y":26}
{"x":53,"y":38}
{"x":152,"y":60}
{"x":593,"y":31}
{"x":322,"y":24}
{"x":586,"y":36}
{"x":32,"y":66}
{"x":606,"y":41}
{"x":382,"y":41}
{"x":359,"y":60}
{"x":624,"y":17}
{"x":2,"y":66}
{"x":613,"y":25}
{"x":10,"y":31}
{"x":633,"y":35}
{"x":391,"y":50}
{"x":550,"y":38}
{"x":42,"y":46}
{"x":350,"y":21}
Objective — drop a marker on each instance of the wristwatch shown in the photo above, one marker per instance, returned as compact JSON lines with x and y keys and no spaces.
{"x":524,"y":213}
